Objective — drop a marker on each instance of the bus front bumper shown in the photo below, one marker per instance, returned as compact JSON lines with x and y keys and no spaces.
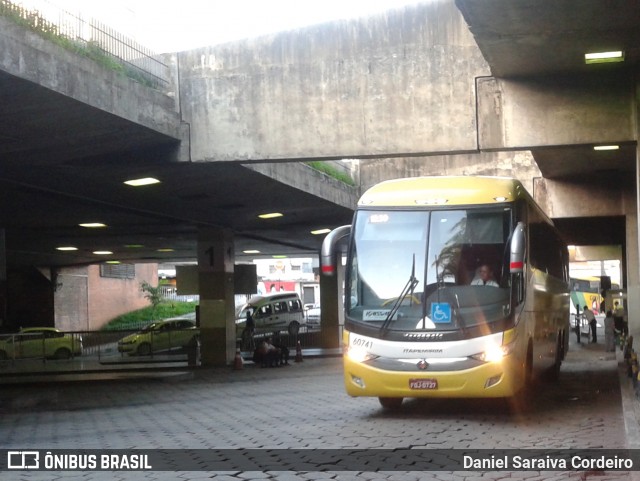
{"x":491,"y":379}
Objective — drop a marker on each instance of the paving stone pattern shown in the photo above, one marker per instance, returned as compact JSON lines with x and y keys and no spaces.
{"x":304,"y":406}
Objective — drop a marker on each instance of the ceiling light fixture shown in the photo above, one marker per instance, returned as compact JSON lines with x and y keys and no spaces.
{"x":102,"y":253}
{"x":251,"y":251}
{"x":93,"y":225}
{"x":67,"y":248}
{"x":165,"y":249}
{"x":604,"y":57}
{"x":606,"y":147}
{"x":320,"y":231}
{"x":271,"y":215}
{"x":142,"y":181}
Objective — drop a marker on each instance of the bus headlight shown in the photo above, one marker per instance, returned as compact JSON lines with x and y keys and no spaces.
{"x":494,"y":353}
{"x":358,"y":354}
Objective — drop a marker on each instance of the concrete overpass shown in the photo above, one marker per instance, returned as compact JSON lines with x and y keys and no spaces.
{"x":73,"y":131}
{"x":475,"y":86}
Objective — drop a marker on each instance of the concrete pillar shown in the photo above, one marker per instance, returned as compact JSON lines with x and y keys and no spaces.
{"x":217,"y":306}
{"x":633,"y":263}
{"x":633,"y":242}
{"x":331,"y":293}
{"x":3,"y":279}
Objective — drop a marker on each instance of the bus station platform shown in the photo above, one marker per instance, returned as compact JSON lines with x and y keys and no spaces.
{"x":304,"y":406}
{"x":92,"y":369}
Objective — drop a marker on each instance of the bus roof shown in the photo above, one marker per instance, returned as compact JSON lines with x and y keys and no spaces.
{"x":444,"y":190}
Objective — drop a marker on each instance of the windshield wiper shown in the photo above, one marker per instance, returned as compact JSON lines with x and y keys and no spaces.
{"x":407,"y":289}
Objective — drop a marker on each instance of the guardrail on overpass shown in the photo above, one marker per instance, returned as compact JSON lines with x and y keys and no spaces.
{"x":90,"y":38}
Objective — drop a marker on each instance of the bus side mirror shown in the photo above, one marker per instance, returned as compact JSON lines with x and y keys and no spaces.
{"x":518,"y":243}
{"x":328,"y":253}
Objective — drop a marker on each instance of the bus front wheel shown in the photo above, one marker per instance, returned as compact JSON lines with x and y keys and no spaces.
{"x":521,"y":400}
{"x":391,"y":403}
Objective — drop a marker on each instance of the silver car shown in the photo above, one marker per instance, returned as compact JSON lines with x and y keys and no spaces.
{"x":313,"y":316}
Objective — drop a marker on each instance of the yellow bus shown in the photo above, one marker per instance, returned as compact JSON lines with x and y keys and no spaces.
{"x":586,"y":292}
{"x":419,"y":321}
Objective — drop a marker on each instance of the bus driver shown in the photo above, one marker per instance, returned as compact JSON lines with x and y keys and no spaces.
{"x":484,"y":277}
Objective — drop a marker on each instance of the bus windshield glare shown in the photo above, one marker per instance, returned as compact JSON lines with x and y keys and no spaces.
{"x":429,"y":270}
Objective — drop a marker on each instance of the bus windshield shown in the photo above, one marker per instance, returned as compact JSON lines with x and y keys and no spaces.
{"x":433,"y":270}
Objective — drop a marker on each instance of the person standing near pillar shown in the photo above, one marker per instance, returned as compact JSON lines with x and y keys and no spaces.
{"x":593,"y":324}
{"x":619,"y":316}
{"x":609,"y":333}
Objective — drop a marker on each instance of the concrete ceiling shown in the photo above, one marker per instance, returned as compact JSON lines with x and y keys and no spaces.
{"x":533,"y":38}
{"x":50,"y":180}
{"x":521,"y":38}
{"x":43,"y":207}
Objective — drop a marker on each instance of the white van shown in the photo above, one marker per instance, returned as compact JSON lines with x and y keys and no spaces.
{"x":273,"y":313}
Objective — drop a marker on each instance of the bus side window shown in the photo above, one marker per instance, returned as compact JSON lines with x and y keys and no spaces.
{"x":546,"y":250}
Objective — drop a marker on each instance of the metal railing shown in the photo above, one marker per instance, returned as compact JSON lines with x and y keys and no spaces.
{"x":91,"y":38}
{"x":170,"y":293}
{"x":102,"y":350}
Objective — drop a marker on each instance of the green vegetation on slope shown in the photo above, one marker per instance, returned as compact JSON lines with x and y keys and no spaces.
{"x":136,"y":319}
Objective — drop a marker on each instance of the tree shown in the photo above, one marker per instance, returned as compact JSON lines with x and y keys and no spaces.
{"x":152,"y":294}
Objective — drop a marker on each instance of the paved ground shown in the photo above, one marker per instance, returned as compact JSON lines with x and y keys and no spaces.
{"x":303,"y":406}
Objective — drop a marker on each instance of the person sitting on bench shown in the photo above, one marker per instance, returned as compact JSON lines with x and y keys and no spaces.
{"x":267,"y":355}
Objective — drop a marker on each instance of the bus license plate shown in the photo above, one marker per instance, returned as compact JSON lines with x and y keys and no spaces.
{"x":423,"y":384}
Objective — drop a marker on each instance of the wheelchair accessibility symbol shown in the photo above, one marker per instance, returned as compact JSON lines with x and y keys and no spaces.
{"x":440,"y":312}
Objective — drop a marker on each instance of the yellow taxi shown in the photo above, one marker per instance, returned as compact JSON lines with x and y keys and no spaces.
{"x":43,"y":342}
{"x":160,"y":336}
